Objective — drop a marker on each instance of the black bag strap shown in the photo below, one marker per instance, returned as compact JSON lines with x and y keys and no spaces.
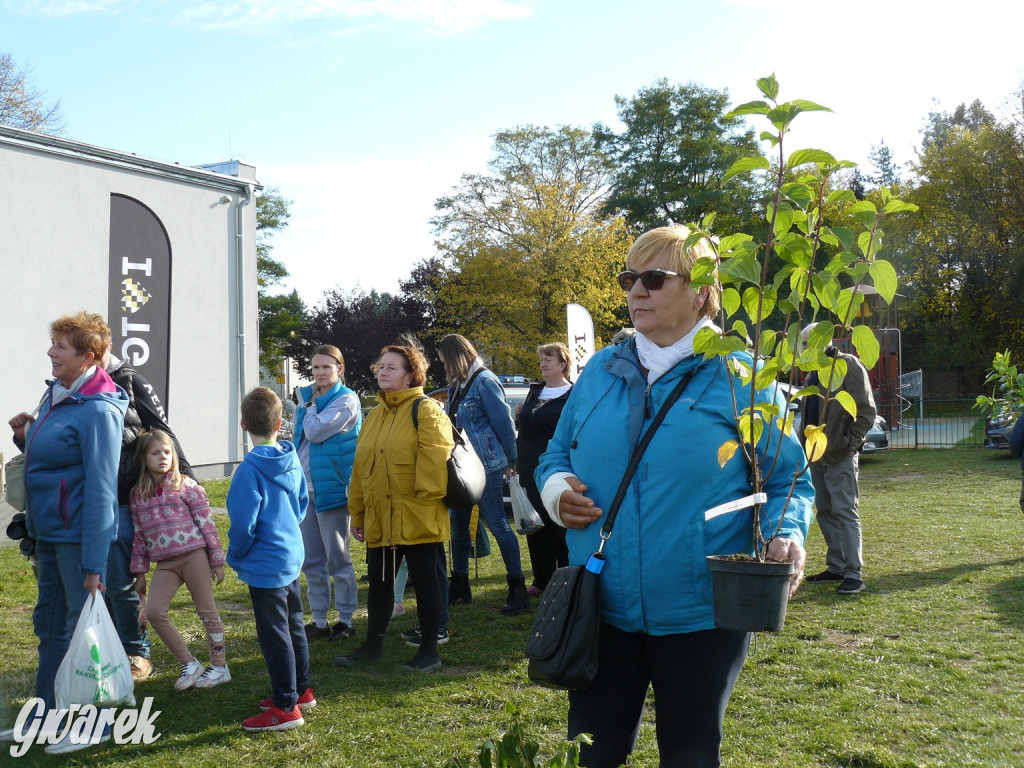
{"x":638,"y":452}
{"x":460,"y":393}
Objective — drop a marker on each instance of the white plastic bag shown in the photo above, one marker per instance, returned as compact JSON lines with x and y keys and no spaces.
{"x":525,"y":516}
{"x":95,"y":669}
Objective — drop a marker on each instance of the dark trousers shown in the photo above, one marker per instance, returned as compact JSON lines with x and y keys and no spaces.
{"x":282,"y":638}
{"x":121,"y":597}
{"x":693,"y":675}
{"x":381,"y":565}
{"x":547,"y":546}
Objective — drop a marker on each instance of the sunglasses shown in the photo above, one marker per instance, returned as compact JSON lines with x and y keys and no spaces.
{"x":652,"y":279}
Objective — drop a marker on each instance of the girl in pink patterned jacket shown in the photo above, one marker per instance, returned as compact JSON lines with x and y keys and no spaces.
{"x":174,"y":528}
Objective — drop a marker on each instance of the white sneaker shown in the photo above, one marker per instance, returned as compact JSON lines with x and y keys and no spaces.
{"x":69,"y":744}
{"x":398,"y":610}
{"x":214,"y":676}
{"x":189,"y":674}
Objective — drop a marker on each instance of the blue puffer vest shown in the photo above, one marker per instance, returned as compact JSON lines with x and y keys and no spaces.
{"x":330,"y":462}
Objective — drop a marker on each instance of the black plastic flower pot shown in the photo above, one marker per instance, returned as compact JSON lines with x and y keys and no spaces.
{"x":749,"y":595}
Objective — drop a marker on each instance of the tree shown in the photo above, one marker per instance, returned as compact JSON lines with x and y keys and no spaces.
{"x":667,"y":164}
{"x":887,"y":172}
{"x":280,"y":316}
{"x":526,"y":239}
{"x":964,"y":257}
{"x":22,"y":105}
{"x":359,"y":324}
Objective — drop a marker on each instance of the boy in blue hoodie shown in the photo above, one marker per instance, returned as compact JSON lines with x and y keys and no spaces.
{"x":266,"y":503}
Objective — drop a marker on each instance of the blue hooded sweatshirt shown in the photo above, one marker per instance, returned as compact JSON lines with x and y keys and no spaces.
{"x":72,"y":451}
{"x":266,"y":502}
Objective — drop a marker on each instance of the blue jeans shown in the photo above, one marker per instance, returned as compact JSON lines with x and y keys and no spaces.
{"x":282,"y":638}
{"x":492,"y":513}
{"x":61,"y":598}
{"x":121,"y":597}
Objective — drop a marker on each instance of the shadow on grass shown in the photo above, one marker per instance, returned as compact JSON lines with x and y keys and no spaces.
{"x":913,"y":580}
{"x":1007,"y":599}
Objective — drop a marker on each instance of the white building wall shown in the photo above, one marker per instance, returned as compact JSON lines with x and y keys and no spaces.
{"x":54,"y":256}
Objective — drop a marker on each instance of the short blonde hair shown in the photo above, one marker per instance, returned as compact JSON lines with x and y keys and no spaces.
{"x":458,"y":355}
{"x":559,"y":350}
{"x":672,"y":241}
{"x":84,"y":331}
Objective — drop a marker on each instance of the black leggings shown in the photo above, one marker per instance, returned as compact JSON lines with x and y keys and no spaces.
{"x":381,"y":565}
{"x":693,"y":675}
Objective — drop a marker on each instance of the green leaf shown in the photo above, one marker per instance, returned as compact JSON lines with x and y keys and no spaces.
{"x":845,"y":236}
{"x":799,"y":192}
{"x":726,"y":451}
{"x":766,"y":344}
{"x":846,"y":400}
{"x":815,"y":442}
{"x":826,"y":289}
{"x":849,"y":304}
{"x":802,"y":156}
{"x":744,"y":164}
{"x":730,"y":301}
{"x":866,"y":344}
{"x":767,"y":374}
{"x":883,"y":275}
{"x":740,"y":329}
{"x":809,"y":106}
{"x":834,"y":374}
{"x":769,"y":86}
{"x":770,"y":137}
{"x":743,"y":267}
{"x":721,"y":346}
{"x":840,"y":196}
{"x":751,"y":297}
{"x":783,"y":219}
{"x":738,"y":241}
{"x":704,"y":267}
{"x":750,"y":108}
{"x":899,"y":206}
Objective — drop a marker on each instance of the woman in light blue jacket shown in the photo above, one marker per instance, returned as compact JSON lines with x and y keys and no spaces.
{"x":476,"y":403}
{"x":658,"y":627}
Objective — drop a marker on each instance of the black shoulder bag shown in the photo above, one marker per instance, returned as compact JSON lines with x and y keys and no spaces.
{"x":563,"y":645}
{"x":466,"y":474}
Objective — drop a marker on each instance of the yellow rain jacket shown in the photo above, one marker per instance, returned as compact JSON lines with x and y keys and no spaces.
{"x":400,"y":474}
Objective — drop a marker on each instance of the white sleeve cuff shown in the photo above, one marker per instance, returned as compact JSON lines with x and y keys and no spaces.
{"x":555,"y":486}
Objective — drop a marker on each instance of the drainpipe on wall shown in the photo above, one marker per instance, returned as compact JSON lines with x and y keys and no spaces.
{"x":240,"y":301}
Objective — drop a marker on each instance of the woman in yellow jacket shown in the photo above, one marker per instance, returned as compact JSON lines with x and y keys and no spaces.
{"x":396,"y":500}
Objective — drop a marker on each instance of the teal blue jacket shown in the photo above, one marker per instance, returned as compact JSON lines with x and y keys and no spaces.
{"x":656,"y":578}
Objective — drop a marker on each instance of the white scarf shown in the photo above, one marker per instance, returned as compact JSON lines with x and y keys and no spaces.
{"x":550,"y":393}
{"x":659,"y":360}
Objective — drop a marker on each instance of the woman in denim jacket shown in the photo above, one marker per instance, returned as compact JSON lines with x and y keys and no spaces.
{"x":476,"y":403}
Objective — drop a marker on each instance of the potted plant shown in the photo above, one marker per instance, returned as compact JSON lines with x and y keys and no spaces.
{"x":770,"y":291}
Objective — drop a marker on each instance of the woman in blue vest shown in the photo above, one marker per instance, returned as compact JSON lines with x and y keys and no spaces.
{"x":327,"y":422}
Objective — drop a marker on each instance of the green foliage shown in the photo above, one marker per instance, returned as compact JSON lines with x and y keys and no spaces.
{"x":809,"y":264}
{"x":668,"y":164}
{"x":280,"y":316}
{"x":515,"y":749}
{"x":524,"y":240}
{"x":1007,"y":389}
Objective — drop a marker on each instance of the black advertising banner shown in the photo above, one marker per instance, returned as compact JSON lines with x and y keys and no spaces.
{"x":139,"y":297}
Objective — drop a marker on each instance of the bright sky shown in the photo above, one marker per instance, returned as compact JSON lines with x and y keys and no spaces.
{"x":364,"y":112}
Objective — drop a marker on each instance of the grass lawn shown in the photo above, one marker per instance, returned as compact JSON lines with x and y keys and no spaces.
{"x":925,"y":668}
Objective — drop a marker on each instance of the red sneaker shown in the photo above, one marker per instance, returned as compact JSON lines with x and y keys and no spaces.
{"x":307,"y":699}
{"x":274,"y":719}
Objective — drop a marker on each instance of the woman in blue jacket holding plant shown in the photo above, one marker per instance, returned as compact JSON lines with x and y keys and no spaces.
{"x":658,"y":626}
{"x":476,"y":403}
{"x":1017,"y":451}
{"x":72,"y":448}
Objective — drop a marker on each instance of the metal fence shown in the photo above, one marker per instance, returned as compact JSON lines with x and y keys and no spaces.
{"x":937,"y":424}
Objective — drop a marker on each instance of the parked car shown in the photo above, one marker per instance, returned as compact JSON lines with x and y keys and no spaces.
{"x":877,"y":438}
{"x":998,"y":429}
